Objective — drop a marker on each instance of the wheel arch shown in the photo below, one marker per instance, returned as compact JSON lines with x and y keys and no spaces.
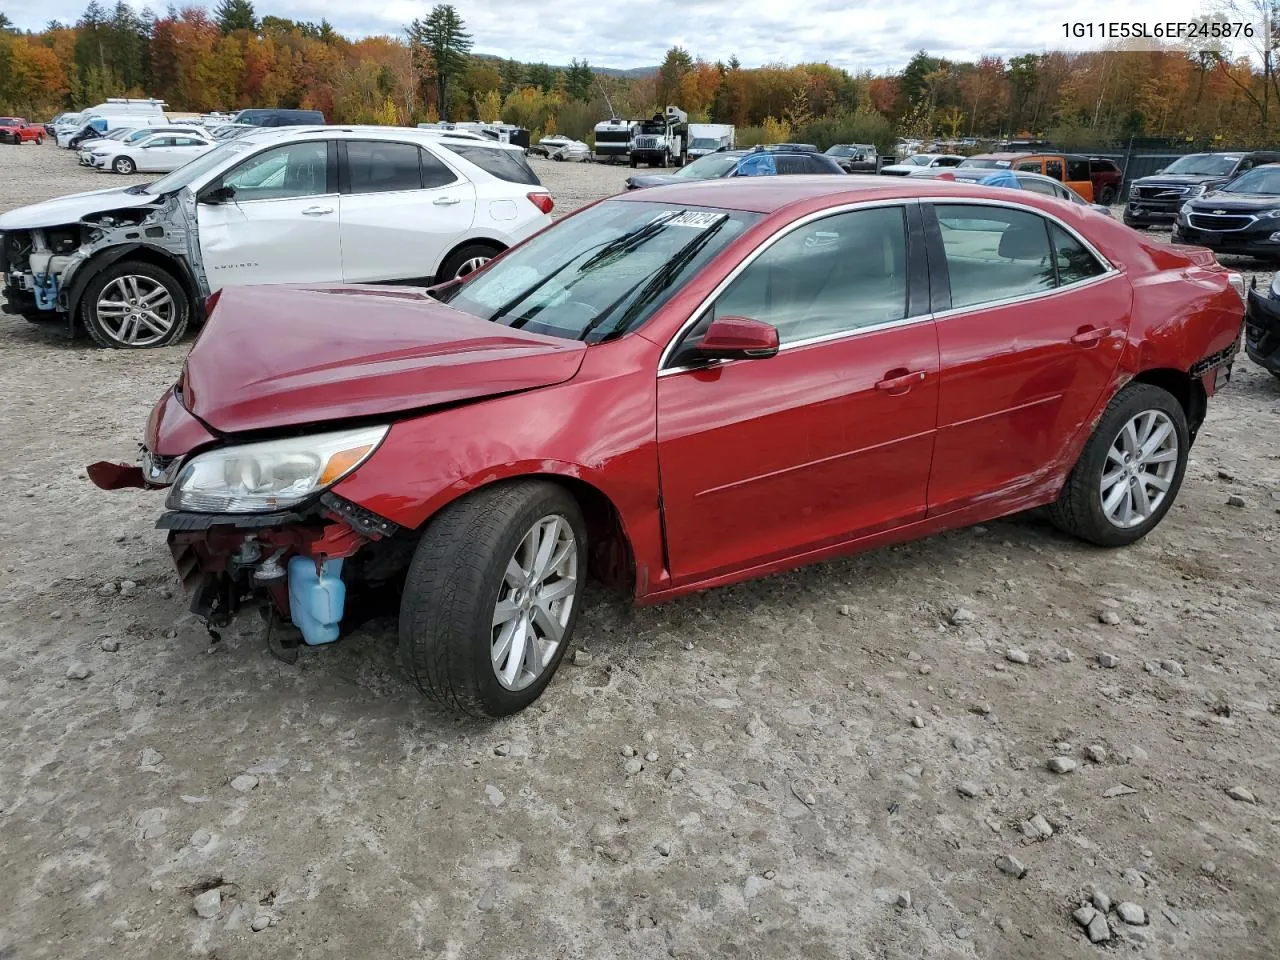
{"x":132,"y":251}
{"x":611,"y":555}
{"x":1187,"y":390}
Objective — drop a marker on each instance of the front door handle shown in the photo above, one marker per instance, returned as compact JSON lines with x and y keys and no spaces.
{"x":1088,"y":336}
{"x":445,"y":201}
{"x":900,"y":380}
{"x":317,"y":211}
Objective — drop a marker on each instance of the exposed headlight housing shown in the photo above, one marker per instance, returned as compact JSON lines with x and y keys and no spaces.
{"x":272,"y":475}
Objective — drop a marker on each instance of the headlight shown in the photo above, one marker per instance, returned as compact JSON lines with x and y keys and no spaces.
{"x":273,"y":475}
{"x":1133,"y":189}
{"x":1196,"y":191}
{"x":1267,"y":214}
{"x":1185,"y":209}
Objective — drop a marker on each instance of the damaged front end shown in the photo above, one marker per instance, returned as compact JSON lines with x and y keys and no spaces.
{"x":256,"y":524}
{"x":45,"y":269}
{"x":1262,"y":327}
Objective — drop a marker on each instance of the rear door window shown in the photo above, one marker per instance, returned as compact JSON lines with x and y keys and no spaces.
{"x":383,"y":167}
{"x":994,"y":253}
{"x":1077,"y":169}
{"x":1053,"y":168}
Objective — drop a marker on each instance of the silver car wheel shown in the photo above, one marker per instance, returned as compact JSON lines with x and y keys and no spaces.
{"x":471,"y":266}
{"x":1139,"y":469}
{"x":535,"y":602}
{"x":135,"y":310}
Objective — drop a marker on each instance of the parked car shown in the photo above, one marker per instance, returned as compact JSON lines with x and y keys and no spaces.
{"x":153,"y":153}
{"x":1156,"y":200}
{"x":557,"y":147}
{"x":229,"y":131}
{"x":740,"y":163}
{"x":17,"y":131}
{"x":1262,"y":327}
{"x":672,"y":390}
{"x":57,"y":119}
{"x":1240,"y":217}
{"x":1021,"y":180}
{"x":1070,"y":169}
{"x":918,"y":162}
{"x":1107,"y":178}
{"x":271,"y":117}
{"x":791,"y":147}
{"x":124,"y":135}
{"x":855,"y":157}
{"x":362,"y":204}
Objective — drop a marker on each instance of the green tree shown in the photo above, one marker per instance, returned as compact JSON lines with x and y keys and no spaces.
{"x":6,"y":25}
{"x":541,"y":76}
{"x":444,"y":38}
{"x":235,"y":15}
{"x":675,"y":65}
{"x":578,"y":80}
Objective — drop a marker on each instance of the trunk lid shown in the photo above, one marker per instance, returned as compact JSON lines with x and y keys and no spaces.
{"x":283,"y":355}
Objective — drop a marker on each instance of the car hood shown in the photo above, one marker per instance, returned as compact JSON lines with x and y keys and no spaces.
{"x":64,"y":210}
{"x":287,"y":355}
{"x":1243,"y":202}
{"x":655,"y":180}
{"x":1177,"y":180}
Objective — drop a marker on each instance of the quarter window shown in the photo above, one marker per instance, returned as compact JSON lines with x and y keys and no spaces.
{"x":294,"y":170}
{"x":831,"y":276}
{"x":1075,"y":263}
{"x":383,"y":167}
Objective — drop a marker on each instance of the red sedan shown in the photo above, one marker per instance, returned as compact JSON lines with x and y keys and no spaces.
{"x":675,"y":389}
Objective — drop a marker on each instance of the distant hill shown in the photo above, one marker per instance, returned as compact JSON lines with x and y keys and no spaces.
{"x":632,"y":74}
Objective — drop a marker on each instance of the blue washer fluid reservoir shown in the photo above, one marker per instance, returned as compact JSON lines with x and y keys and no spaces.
{"x":316,"y":599}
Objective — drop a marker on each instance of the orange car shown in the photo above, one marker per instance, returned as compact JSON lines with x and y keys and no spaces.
{"x":1064,"y":167}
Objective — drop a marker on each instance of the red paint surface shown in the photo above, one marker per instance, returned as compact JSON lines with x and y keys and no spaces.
{"x":752,"y":466}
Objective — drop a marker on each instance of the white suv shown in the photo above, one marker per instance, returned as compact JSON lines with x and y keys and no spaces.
{"x":285,"y":205}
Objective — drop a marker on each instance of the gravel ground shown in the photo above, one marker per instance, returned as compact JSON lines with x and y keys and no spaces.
{"x":829,"y":763}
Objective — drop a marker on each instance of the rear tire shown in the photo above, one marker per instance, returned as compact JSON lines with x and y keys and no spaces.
{"x":40,"y":140}
{"x":466,"y":260}
{"x":1107,"y":197}
{"x":1082,"y":508}
{"x":463,"y":612}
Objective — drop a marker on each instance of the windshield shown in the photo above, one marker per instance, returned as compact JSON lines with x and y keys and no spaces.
{"x":840,"y":150}
{"x":919,"y":160}
{"x":983,"y":163}
{"x":601,"y":273}
{"x":1263,"y":180}
{"x":709,"y":167}
{"x":196,"y":168}
{"x":1204,"y":165}
{"x":9,"y":122}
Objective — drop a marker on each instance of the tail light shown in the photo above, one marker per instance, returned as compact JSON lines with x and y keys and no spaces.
{"x":542,"y":201}
{"x":212,"y":302}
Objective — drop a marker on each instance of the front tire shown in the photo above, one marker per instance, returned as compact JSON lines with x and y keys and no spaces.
{"x":123,"y":165}
{"x":133,"y":305}
{"x":1130,"y":471}
{"x":1107,"y":197}
{"x":492,"y":596}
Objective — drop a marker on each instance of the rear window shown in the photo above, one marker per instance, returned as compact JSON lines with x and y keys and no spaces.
{"x":1103,"y":166}
{"x":1077,"y":169}
{"x":506,"y":165}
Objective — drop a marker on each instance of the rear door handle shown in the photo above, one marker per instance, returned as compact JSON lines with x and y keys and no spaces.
{"x":1090,"y":335}
{"x":317,"y":211}
{"x":900,"y":381}
{"x":445,"y":201}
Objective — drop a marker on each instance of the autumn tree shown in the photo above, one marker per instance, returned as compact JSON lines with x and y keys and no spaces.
{"x":444,"y":37}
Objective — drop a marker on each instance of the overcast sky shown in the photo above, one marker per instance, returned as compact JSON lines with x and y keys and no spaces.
{"x":873,"y":36}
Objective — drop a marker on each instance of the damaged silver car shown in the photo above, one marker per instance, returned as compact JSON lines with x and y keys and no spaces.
{"x":134,"y":266}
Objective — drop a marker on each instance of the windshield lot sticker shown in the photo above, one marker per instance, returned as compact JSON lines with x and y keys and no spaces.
{"x":692,"y":219}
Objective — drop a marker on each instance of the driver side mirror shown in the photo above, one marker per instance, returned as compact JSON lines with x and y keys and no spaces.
{"x":220,"y":195}
{"x":738,"y":338}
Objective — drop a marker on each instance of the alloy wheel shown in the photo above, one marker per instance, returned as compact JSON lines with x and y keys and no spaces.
{"x":470,"y":266}
{"x":1139,"y":469}
{"x":535,"y":602}
{"x":136,"y":311}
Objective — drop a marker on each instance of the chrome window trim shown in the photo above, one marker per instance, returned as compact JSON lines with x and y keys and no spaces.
{"x":1109,"y":271}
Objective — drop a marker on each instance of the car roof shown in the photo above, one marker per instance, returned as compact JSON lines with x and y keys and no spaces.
{"x":771,"y":194}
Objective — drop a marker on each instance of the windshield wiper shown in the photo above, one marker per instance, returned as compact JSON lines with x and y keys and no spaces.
{"x":629,"y":241}
{"x":655,"y":285}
